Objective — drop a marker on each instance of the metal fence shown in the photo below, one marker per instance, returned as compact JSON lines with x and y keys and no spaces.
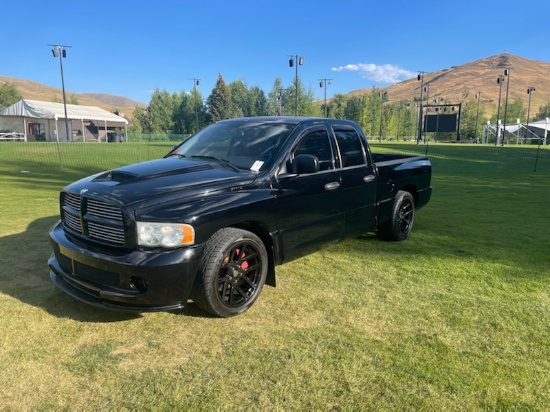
{"x":93,"y":157}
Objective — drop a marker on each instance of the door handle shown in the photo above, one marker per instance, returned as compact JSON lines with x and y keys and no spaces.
{"x":368,"y":178}
{"x":332,"y":186}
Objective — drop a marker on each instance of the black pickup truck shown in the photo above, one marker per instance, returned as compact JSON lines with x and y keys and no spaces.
{"x":212,"y":219}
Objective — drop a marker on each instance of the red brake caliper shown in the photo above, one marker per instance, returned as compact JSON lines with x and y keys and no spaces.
{"x":244,"y":265}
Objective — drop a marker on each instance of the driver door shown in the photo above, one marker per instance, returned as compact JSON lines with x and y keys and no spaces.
{"x":308,"y":205}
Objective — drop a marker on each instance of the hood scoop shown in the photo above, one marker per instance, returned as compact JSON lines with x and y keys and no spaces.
{"x":118,"y":176}
{"x":132,"y":173}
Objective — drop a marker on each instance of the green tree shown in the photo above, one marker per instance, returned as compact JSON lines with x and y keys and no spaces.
{"x":179,"y":114}
{"x":139,"y":121}
{"x":9,"y":95}
{"x":337,"y":108}
{"x":259,"y":102}
{"x":515,"y":110}
{"x":240,"y":98}
{"x":353,"y":109}
{"x":544,"y":112}
{"x":276,"y":99}
{"x":365,"y":115}
{"x":73,"y":99}
{"x":160,"y":112}
{"x":306,"y":100}
{"x":468,"y":121}
{"x":306,"y":103}
{"x":408,"y":120}
{"x":220,"y":105}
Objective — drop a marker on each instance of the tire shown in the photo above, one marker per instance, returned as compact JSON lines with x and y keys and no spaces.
{"x":402,"y":218}
{"x":232,"y":272}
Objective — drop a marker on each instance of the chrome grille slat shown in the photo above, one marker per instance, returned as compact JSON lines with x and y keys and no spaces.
{"x":93,"y":219}
{"x":104,"y":210}
{"x":72,"y":201}
{"x":113,"y":235}
{"x":73,"y":222}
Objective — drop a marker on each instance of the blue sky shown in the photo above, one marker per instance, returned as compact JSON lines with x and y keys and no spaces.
{"x":130,"y":48}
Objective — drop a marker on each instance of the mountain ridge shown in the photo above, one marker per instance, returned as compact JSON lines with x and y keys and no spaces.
{"x":457,"y":84}
{"x":460,"y":83}
{"x":33,"y":90}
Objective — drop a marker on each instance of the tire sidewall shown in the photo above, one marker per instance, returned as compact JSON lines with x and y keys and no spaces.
{"x":402,"y":197}
{"x":219,"y":245}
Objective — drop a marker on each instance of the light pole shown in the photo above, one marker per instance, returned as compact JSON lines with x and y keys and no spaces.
{"x":420,"y":78}
{"x":195,"y":84}
{"x":427,"y":90}
{"x":382,"y":95}
{"x":530,"y":91}
{"x":60,"y":50}
{"x":500,"y":79}
{"x":323,"y":83}
{"x":438,"y":109}
{"x":507,"y":74}
{"x":296,"y":60}
{"x":478,"y":98}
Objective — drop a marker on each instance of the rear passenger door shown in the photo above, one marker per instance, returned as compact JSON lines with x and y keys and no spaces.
{"x":358,"y":183}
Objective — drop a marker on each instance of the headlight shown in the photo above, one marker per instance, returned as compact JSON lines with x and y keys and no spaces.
{"x":165,"y":234}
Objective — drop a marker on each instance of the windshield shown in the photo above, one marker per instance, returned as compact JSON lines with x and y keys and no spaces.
{"x":244,"y":144}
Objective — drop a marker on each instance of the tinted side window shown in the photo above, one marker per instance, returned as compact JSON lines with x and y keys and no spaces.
{"x":351,"y":148}
{"x":317,"y":143}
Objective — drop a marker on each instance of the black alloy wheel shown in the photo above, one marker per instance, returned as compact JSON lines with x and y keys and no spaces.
{"x":232,"y":272}
{"x":402,"y":219}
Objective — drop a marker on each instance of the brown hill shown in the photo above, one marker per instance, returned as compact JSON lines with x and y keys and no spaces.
{"x":37,"y":91}
{"x":115,"y":101}
{"x":461,"y":83}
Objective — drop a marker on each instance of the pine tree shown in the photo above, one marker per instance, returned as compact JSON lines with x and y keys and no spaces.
{"x":219,"y":102}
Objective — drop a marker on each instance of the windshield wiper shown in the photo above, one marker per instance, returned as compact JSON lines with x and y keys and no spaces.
{"x":175,"y":154}
{"x":217,"y":159}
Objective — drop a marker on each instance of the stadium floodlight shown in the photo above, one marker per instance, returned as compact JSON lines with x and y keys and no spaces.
{"x":323,"y":83}
{"x":299,"y":60}
{"x":59,"y":50}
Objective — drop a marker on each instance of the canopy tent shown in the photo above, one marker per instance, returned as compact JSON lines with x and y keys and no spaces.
{"x":537,"y":130}
{"x":33,"y":109}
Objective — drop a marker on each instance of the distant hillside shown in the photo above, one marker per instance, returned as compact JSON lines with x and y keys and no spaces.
{"x":37,"y":91}
{"x":115,"y":101}
{"x":461,"y":83}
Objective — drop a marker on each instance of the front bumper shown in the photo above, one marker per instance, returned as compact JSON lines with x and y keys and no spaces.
{"x":137,"y":280}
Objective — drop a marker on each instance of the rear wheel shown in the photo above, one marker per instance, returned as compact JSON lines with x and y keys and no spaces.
{"x":232,"y":272}
{"x":402,"y":218}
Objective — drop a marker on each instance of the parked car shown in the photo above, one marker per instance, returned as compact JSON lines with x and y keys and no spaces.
{"x":212,"y":219}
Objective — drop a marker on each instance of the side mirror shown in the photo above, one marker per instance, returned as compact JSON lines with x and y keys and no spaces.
{"x":305,"y":164}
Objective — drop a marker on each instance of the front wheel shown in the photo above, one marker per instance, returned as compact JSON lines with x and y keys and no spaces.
{"x":232,"y":272}
{"x":402,"y":218}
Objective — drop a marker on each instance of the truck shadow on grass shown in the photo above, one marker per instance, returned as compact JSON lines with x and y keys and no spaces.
{"x":25,"y":277}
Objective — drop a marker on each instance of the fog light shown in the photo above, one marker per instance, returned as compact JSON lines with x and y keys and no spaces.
{"x":139,"y":284}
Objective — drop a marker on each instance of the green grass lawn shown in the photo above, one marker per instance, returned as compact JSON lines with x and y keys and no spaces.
{"x":456,"y":317}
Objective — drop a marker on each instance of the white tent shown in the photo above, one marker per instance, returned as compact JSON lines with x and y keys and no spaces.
{"x":522,"y":131}
{"x":24,"y":112}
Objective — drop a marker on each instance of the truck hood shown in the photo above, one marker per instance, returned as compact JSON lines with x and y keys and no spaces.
{"x":156,"y":181}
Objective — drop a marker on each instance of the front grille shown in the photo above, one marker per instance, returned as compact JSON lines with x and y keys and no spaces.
{"x":93,"y":219}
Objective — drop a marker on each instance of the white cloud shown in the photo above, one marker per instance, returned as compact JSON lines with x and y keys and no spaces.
{"x":387,"y":73}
